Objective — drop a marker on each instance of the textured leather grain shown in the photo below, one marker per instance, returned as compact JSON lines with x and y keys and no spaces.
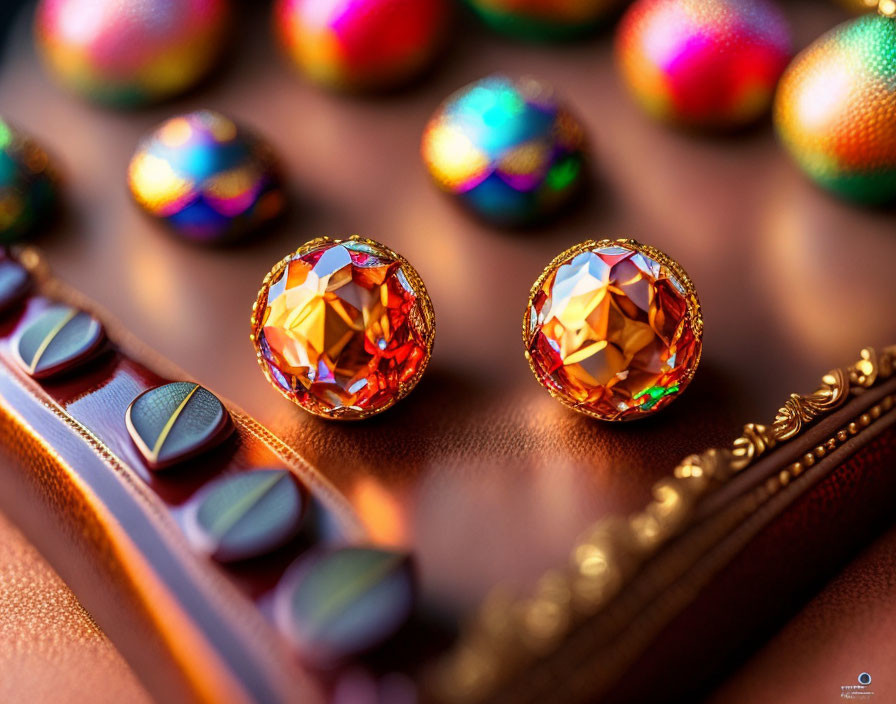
{"x":847,"y":629}
{"x":51,"y":650}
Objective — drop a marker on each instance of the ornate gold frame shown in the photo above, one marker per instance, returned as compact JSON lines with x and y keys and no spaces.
{"x":507,"y":634}
{"x":694,"y":315}
{"x":413,"y":278}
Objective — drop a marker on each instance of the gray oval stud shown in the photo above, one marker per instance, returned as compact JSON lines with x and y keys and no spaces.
{"x":174,"y":422}
{"x":14,"y":282}
{"x":247,"y":514}
{"x":60,"y":339}
{"x":343,"y":603}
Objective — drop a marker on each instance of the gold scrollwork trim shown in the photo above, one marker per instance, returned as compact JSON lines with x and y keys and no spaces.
{"x":800,"y":410}
{"x":507,"y":634}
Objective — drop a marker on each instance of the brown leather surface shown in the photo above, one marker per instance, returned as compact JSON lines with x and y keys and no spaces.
{"x":50,"y":648}
{"x":772,"y":576}
{"x":844,"y":631}
{"x":479,"y":470}
{"x":746,"y":558}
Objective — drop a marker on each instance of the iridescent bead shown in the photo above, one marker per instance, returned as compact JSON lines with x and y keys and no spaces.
{"x":28,"y":184}
{"x":206,"y":177}
{"x":703,"y":63}
{"x":361,"y":44}
{"x":543,"y":19}
{"x":836,"y":107}
{"x":126,"y":53}
{"x":507,"y":149}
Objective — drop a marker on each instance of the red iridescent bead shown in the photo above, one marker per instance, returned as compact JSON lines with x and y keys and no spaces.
{"x":703,"y":63}
{"x":123,"y":52}
{"x":361,"y":44}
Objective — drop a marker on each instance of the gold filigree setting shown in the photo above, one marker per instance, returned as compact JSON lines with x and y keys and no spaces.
{"x":508,"y":635}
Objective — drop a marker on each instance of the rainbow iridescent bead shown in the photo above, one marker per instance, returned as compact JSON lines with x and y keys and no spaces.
{"x":343,"y":328}
{"x":836,"y":107}
{"x":28,"y":184}
{"x":508,"y":149}
{"x":206,"y":177}
{"x":543,"y":19}
{"x":361,"y":44}
{"x":128,"y":53}
{"x":703,"y":63}
{"x":613,"y":329}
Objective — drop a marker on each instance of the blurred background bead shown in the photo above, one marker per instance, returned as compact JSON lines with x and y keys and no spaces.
{"x":508,"y":149}
{"x":703,"y":63}
{"x":15,"y":281}
{"x":859,"y":5}
{"x":208,"y":178}
{"x":128,"y":53}
{"x":361,"y":44}
{"x":836,"y":107}
{"x":543,"y":19}
{"x":28,"y":191}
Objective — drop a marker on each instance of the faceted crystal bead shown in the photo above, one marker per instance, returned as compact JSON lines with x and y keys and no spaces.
{"x":344,"y":328}
{"x":613,"y":330}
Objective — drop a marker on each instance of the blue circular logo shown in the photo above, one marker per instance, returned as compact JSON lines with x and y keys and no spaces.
{"x":864,"y":678}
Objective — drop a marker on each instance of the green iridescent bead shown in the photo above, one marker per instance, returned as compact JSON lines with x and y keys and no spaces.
{"x":835,"y":109}
{"x":28,"y":184}
{"x":536,"y":20}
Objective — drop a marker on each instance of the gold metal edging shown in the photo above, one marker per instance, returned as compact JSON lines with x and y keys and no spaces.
{"x":508,"y":634}
{"x":736,"y":525}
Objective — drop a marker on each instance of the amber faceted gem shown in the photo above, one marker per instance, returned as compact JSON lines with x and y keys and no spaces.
{"x":343,"y":328}
{"x":613,"y":329}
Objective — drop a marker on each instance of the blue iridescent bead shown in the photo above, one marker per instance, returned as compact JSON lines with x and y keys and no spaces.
{"x":28,"y":184}
{"x":508,"y":149}
{"x":206,"y":177}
